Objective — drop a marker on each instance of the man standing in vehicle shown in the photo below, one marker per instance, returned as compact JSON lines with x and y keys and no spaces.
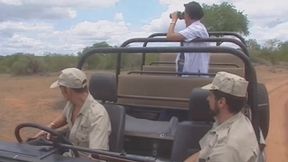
{"x":87,"y":120}
{"x":232,"y":137}
{"x":196,"y":62}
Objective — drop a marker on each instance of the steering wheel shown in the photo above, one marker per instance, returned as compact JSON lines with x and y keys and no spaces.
{"x":59,"y":138}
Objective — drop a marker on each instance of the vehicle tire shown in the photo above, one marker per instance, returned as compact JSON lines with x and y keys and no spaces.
{"x":263,"y":108}
{"x":102,"y":86}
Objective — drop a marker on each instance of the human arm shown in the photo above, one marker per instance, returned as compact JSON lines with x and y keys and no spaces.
{"x":60,"y":121}
{"x":57,"y":123}
{"x":193,"y":158}
{"x":171,"y":34}
{"x":99,"y":133}
{"x":223,"y":154}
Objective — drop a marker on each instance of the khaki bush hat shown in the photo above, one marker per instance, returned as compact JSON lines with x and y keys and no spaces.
{"x":71,"y":78}
{"x":228,"y":83}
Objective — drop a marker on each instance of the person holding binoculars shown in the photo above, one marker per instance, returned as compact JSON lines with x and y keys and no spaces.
{"x":190,"y":63}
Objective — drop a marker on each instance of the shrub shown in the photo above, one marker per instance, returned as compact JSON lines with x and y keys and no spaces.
{"x":27,"y":64}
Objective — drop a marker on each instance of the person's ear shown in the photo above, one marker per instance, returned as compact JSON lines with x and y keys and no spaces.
{"x":222,"y":101}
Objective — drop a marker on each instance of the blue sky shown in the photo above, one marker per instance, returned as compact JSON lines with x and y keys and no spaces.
{"x":66,"y":27}
{"x":135,"y":13}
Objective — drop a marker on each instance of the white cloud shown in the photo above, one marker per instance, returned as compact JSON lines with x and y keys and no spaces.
{"x":174,"y":2}
{"x":51,"y":9}
{"x":119,"y":17}
{"x":24,"y":27}
{"x":62,"y":3}
{"x":161,"y":24}
{"x":24,"y":13}
{"x":25,"y":30}
{"x":17,"y":41}
{"x":44,"y":38}
{"x":265,"y":33}
{"x":11,"y":2}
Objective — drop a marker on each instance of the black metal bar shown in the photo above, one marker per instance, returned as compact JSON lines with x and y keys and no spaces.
{"x":132,"y":158}
{"x":216,"y":33}
{"x":229,"y":33}
{"x":157,"y":35}
{"x":250,"y":73}
{"x":146,"y":40}
{"x":144,"y":54}
{"x":237,"y":42}
{"x":176,"y":73}
{"x":155,"y":98}
{"x":173,"y":63}
{"x":162,"y":62}
{"x":145,"y":45}
{"x":220,"y":33}
{"x":151,"y":39}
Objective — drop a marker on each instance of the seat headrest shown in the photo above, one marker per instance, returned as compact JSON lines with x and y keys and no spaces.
{"x":102,"y":86}
{"x":198,"y":106}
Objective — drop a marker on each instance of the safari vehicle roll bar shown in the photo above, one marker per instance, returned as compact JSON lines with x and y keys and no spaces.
{"x":146,"y":40}
{"x":216,"y":33}
{"x":250,"y":73}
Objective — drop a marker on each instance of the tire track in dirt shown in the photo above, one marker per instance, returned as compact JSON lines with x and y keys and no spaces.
{"x":277,"y":88}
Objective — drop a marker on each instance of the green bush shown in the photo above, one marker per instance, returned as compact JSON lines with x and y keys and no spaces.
{"x":27,"y":64}
{"x":55,"y":62}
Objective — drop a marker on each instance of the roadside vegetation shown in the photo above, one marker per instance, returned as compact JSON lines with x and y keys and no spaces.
{"x":222,"y":17}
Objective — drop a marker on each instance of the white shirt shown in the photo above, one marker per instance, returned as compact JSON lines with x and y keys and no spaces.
{"x":232,"y":141}
{"x":195,"y":62}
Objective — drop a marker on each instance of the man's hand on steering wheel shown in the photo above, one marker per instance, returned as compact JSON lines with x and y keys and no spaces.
{"x":42,"y":134}
{"x":58,"y":137}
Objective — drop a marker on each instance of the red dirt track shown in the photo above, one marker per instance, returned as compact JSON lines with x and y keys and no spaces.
{"x":29,"y":99}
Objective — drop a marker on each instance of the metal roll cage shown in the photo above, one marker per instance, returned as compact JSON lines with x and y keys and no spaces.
{"x":250,"y":73}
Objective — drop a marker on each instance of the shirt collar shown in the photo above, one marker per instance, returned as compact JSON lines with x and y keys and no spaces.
{"x":217,"y":127}
{"x":196,"y":22}
{"x":86,"y":104}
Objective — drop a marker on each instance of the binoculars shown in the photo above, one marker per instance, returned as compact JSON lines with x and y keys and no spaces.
{"x":179,"y":14}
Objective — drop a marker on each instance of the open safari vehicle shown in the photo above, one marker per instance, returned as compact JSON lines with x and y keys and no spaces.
{"x":156,"y":115}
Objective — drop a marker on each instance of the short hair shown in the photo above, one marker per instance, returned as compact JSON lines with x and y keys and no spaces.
{"x":194,"y":10}
{"x":234,"y":103}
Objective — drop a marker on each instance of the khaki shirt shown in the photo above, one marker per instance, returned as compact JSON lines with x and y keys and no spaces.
{"x":232,"y":141}
{"x":92,"y":126}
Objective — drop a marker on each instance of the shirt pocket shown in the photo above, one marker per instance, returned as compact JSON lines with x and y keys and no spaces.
{"x":207,"y":146}
{"x":82,"y":133}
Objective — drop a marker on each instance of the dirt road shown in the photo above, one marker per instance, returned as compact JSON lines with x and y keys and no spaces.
{"x":276,"y":81}
{"x":28,"y":99}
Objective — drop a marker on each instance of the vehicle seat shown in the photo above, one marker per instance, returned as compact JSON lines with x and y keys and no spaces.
{"x":102,"y":86}
{"x":117,"y":118}
{"x":150,"y":128}
{"x":188,"y":133}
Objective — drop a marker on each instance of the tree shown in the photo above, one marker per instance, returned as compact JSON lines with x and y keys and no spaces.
{"x":95,"y":45}
{"x":100,"y":60}
{"x":283,"y":51}
{"x":253,"y":45}
{"x":225,"y":17}
{"x":101,"y":45}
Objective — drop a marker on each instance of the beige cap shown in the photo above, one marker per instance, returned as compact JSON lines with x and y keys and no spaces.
{"x":228,"y":83}
{"x":71,"y":78}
